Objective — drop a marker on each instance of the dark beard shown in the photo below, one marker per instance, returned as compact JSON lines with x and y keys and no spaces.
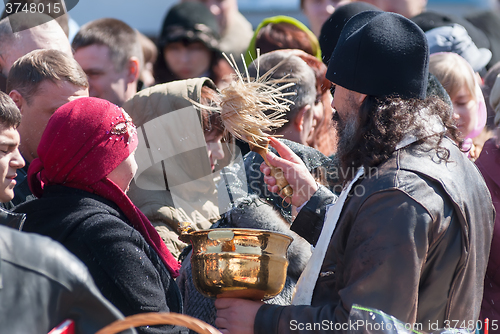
{"x":348,"y":139}
{"x":346,"y":133}
{"x":382,"y":123}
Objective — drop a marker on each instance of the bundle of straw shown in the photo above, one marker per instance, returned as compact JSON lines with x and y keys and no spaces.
{"x":251,"y":108}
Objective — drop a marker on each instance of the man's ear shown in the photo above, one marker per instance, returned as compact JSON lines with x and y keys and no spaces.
{"x":298,"y":121}
{"x":133,"y":69}
{"x":18,"y":99}
{"x":360,"y":98}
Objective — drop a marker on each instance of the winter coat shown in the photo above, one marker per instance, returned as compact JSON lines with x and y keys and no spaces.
{"x":151,"y":191}
{"x":11,"y":219}
{"x":412,"y":240}
{"x":489,"y":165}
{"x":246,"y":174}
{"x":43,"y":284}
{"x":127,"y":271}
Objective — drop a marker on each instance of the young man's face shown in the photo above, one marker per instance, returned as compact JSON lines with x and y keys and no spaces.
{"x":105,"y":82}
{"x":37,"y":112}
{"x":10,"y":161}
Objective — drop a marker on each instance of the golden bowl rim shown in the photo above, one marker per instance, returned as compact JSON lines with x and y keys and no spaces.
{"x":242,"y":231}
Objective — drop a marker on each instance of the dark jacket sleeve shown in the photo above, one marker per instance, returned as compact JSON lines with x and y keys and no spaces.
{"x":384,"y":253}
{"x":127,"y":270}
{"x":87,"y":307}
{"x":42,"y":285}
{"x":309,"y":222}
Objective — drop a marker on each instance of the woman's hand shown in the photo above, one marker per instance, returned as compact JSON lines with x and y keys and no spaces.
{"x":236,"y":316}
{"x":295,"y":172}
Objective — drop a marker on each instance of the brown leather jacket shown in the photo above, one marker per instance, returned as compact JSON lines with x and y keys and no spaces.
{"x":413,"y":240}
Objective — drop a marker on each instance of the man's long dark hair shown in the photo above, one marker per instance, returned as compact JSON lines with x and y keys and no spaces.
{"x":385,"y":122}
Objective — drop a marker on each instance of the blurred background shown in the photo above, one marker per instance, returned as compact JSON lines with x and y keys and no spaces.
{"x":147,"y":15}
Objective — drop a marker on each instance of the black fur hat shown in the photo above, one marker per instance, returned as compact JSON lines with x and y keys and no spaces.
{"x":381,"y":54}
{"x":191,"y":22}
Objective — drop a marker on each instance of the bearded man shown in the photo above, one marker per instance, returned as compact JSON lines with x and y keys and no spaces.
{"x":410,"y":233}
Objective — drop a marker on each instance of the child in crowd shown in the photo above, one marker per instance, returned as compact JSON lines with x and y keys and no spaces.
{"x":461,"y":83}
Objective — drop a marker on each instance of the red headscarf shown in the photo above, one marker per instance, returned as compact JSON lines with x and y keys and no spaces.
{"x":83,"y":142}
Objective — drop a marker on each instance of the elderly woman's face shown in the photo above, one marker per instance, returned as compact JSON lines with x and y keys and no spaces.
{"x":124,"y":173}
{"x":318,"y":111}
{"x":188,"y":61}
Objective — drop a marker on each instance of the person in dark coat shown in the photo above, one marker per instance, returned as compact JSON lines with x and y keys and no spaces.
{"x":84,"y":167}
{"x":410,"y":233}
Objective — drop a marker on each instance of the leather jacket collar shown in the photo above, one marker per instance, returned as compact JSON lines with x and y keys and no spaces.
{"x":10,"y":219}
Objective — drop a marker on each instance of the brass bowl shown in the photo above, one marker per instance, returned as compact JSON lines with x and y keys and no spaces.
{"x":239,"y":263}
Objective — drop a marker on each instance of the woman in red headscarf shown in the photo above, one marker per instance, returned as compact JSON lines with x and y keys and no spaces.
{"x":84,"y":166}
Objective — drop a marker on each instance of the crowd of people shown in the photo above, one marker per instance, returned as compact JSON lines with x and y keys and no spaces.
{"x":109,"y":139}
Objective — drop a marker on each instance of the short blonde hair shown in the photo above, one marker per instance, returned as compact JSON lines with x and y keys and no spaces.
{"x":453,"y":72}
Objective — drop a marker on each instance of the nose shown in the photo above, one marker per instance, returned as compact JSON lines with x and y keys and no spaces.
{"x":17,"y":161}
{"x":185,"y":57}
{"x":217,"y":150}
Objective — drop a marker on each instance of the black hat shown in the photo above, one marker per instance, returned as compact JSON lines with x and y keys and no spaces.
{"x":331,"y":29}
{"x":190,"y":21}
{"x":429,"y":20}
{"x":435,"y":88}
{"x":381,"y":54}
